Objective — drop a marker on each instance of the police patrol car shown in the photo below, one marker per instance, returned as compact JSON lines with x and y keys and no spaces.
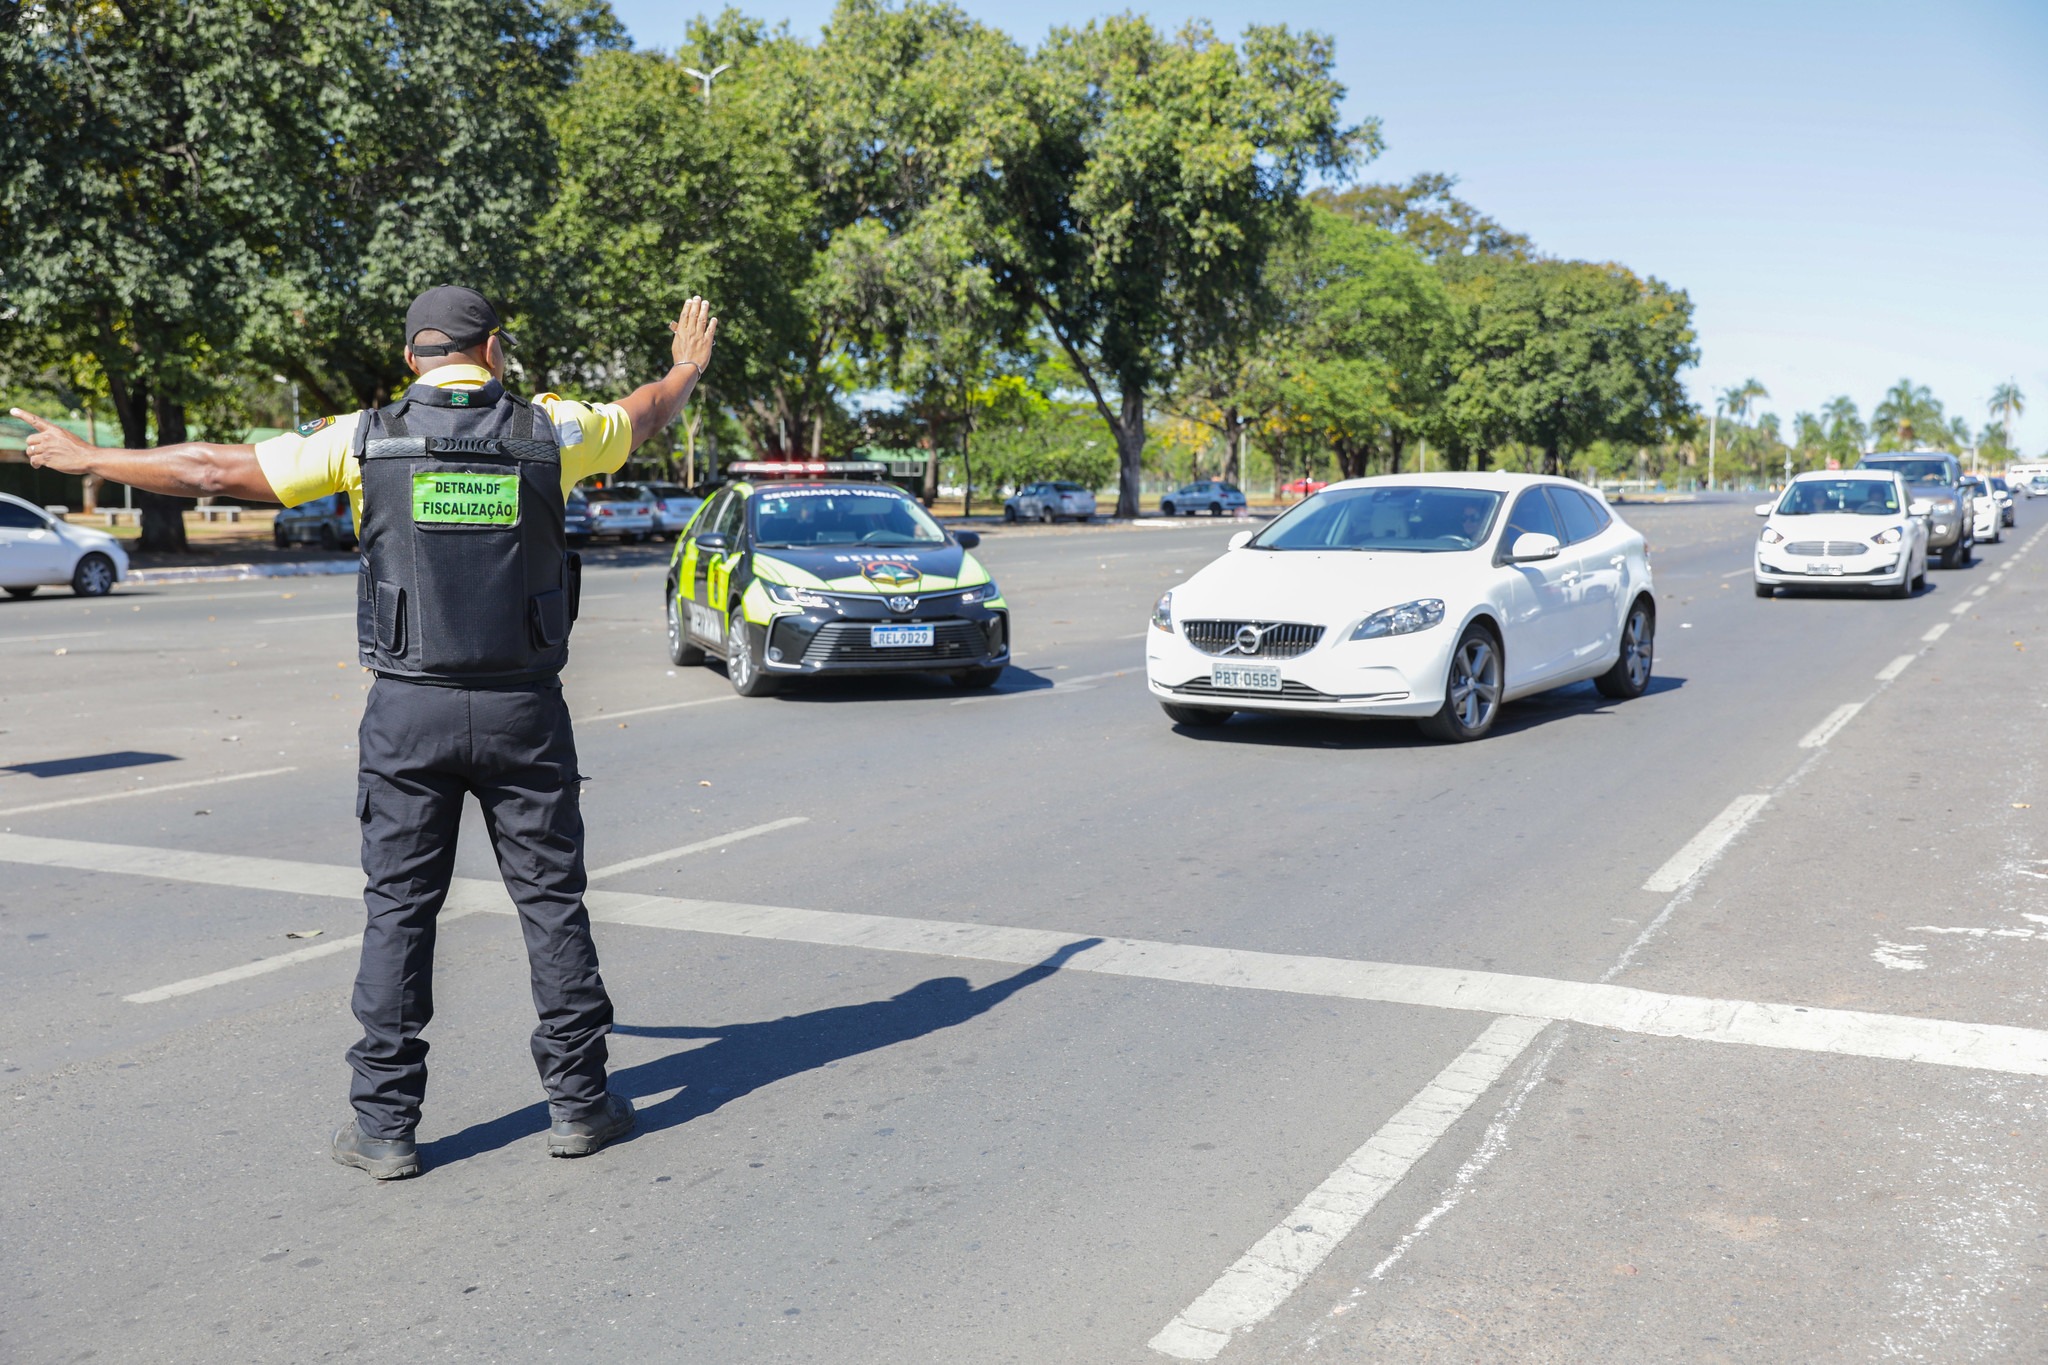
{"x":812,"y":567}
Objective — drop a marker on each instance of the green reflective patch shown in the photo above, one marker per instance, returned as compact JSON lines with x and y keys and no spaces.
{"x":466,"y":499}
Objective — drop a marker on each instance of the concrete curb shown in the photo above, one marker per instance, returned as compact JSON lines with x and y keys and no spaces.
{"x":230,"y":573}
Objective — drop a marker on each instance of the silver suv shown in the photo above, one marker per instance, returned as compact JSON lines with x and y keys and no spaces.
{"x":1935,"y":479}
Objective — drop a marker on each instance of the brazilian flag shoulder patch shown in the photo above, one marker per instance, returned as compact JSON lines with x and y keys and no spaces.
{"x":451,"y":499}
{"x":308,"y":428}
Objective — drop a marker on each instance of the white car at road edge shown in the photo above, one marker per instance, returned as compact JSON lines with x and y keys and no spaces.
{"x":1843,"y":528}
{"x":37,"y":550}
{"x":1436,"y":597}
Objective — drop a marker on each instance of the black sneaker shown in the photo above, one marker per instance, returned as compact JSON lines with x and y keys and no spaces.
{"x":383,"y":1158}
{"x":584,"y":1136}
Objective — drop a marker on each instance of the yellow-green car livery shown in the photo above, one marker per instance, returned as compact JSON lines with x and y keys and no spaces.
{"x":785,"y":579}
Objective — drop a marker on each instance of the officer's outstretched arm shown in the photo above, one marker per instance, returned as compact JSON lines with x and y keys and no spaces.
{"x":190,"y":469}
{"x":653,"y":406}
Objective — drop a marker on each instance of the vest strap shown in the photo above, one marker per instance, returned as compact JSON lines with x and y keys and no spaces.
{"x":418,"y":447}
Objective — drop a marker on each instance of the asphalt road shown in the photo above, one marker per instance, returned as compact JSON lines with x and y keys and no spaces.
{"x":1069,"y":1036}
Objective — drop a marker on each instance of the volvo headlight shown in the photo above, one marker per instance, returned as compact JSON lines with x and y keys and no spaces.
{"x":1889,"y":536}
{"x":1162,"y":614}
{"x":1405,"y":619}
{"x":1772,"y":536}
{"x":982,"y":592}
{"x":795,"y":597}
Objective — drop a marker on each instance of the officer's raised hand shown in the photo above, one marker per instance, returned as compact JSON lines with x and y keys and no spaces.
{"x":653,"y":406}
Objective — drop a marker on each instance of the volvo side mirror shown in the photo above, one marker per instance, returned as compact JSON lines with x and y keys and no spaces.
{"x":1240,"y":540}
{"x":1531,"y":546}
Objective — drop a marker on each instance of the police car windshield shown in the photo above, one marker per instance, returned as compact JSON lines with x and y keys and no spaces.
{"x":801,"y":518}
{"x":1865,"y":497}
{"x":1414,"y":518}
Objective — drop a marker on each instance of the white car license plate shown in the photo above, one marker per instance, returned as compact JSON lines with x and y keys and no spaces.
{"x":1825,"y":569}
{"x":1244,"y":678}
{"x":900,"y":637}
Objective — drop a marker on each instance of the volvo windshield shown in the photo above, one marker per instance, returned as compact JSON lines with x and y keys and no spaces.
{"x":1416,"y":518}
{"x":802,"y":518}
{"x":1863,"y":497}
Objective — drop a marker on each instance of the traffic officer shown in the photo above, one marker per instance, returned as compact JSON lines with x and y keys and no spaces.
{"x":465,"y":598}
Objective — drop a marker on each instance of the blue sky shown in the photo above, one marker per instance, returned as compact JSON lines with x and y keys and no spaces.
{"x":1850,"y":192}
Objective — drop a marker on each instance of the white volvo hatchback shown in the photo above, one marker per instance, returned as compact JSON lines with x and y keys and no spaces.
{"x":1436,"y":597}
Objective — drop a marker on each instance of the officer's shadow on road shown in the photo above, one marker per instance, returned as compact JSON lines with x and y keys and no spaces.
{"x":742,"y":1058}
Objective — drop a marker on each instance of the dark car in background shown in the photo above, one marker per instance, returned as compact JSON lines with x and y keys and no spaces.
{"x":576,"y":517}
{"x":1935,"y":479}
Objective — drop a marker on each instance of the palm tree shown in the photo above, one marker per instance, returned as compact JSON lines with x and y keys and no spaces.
{"x":2007,"y":404}
{"x":1737,"y":401}
{"x":1909,"y":413}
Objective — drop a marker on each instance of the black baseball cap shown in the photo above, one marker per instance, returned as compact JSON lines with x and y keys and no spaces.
{"x":464,"y":315}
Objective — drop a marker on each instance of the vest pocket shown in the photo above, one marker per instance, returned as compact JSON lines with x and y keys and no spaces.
{"x":390,"y":618}
{"x":548,"y":617}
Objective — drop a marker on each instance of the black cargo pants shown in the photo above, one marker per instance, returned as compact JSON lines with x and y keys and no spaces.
{"x":422,"y":748}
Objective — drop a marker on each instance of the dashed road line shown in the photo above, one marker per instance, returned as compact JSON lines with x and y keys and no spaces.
{"x":145,"y":791}
{"x":1705,"y":846}
{"x":1267,"y":1275}
{"x":1980,"y":590}
{"x":1897,"y":666}
{"x":59,"y":635}
{"x":665,"y":706}
{"x":1934,"y":633}
{"x":314,"y":616}
{"x":1080,"y":684}
{"x":752,"y":831}
{"x":1959,"y":608}
{"x":1739,"y":573}
{"x":1820,"y":734}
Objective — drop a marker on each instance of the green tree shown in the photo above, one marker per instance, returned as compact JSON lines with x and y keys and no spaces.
{"x":2007,"y":405}
{"x":1144,"y":183}
{"x":1909,"y":416}
{"x":1846,"y":433}
{"x":1430,"y":217}
{"x":1364,"y":337}
{"x":1557,"y":354}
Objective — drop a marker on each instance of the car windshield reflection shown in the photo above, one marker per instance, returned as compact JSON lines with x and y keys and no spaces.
{"x":1408,"y":518}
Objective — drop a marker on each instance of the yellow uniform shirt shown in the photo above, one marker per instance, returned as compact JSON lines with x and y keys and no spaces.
{"x":596,"y":438}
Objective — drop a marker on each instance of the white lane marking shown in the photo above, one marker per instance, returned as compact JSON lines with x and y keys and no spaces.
{"x":1897,"y":666}
{"x":1820,"y":734}
{"x":1705,"y":846}
{"x":1740,"y":573}
{"x":1080,"y":684}
{"x":1959,"y":608}
{"x":1934,"y":633}
{"x":144,"y":791}
{"x":1265,"y":1276}
{"x":315,"y":616}
{"x":1893,"y":955}
{"x":665,"y":706}
{"x":635,"y":864}
{"x":1797,"y":1028}
{"x":1995,"y":577}
{"x":245,"y":971}
{"x":38,"y":639}
{"x":1980,"y":590}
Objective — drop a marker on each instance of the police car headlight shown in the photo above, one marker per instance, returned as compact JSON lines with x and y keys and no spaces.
{"x":795,"y":597}
{"x":982,"y":592}
{"x":1162,"y":615}
{"x":1405,"y":619}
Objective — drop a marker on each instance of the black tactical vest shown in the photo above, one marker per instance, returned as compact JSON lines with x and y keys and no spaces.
{"x":466,"y":578}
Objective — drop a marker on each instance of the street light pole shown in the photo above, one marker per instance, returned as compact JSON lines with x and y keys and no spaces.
{"x":707,"y":77}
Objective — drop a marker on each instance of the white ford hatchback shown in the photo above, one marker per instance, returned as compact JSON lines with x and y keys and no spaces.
{"x":1436,"y":597}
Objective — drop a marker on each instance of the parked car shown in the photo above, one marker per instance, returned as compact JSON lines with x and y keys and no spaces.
{"x":1302,"y":488}
{"x":621,"y":510}
{"x":1472,"y":590}
{"x":1206,"y":495}
{"x":39,"y":550}
{"x":1049,"y":501}
{"x":1935,"y":479}
{"x":1842,"y":528}
{"x":1987,"y":517}
{"x":328,"y":522}
{"x":2037,"y":487}
{"x":674,"y":505}
{"x":576,"y":518}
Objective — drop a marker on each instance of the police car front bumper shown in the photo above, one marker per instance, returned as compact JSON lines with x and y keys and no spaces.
{"x":840,"y":638}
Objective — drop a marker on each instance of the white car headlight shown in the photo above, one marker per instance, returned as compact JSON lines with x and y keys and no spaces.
{"x":1772,"y":536}
{"x":1405,"y":619}
{"x":1162,"y":614}
{"x":1889,"y":536}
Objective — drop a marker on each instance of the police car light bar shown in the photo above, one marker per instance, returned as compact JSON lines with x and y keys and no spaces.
{"x":787,"y":469}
